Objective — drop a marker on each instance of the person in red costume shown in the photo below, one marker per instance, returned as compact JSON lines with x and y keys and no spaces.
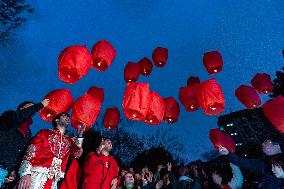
{"x":100,"y":169}
{"x":46,"y":158}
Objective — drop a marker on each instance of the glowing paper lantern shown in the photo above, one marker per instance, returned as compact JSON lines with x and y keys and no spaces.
{"x":218,"y":139}
{"x":262,"y":83}
{"x":155,"y":113}
{"x":274,"y":111}
{"x":103,"y":55}
{"x":136,"y":101}
{"x":131,"y":72}
{"x":172,"y":110}
{"x":213,"y":62}
{"x":146,"y":66}
{"x":73,"y":63}
{"x":111,"y":118}
{"x":97,"y":92}
{"x":160,"y":56}
{"x":188,"y":98}
{"x":193,"y":81}
{"x":85,"y":111}
{"x":61,"y":100}
{"x":210,"y":97}
{"x":248,"y":96}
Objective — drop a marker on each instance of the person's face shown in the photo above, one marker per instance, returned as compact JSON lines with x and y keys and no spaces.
{"x":123,"y":172}
{"x":64,"y":120}
{"x":107,"y":145}
{"x":26,"y":106}
{"x":166,"y":179}
{"x":278,"y":171}
{"x":138,"y":177}
{"x":217,"y":179}
{"x":129,"y":179}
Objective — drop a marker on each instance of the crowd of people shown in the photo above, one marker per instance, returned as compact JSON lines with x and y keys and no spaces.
{"x":52,"y":160}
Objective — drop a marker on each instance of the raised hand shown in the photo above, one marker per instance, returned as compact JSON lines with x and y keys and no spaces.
{"x":45,"y":102}
{"x":169,"y":166}
{"x":223,"y":150}
{"x":81,"y":130}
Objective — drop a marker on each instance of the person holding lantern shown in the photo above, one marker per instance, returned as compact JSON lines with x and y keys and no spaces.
{"x":45,"y":161}
{"x":15,"y":126}
{"x":100,"y":169}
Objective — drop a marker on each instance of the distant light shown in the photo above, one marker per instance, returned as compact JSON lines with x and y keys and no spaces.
{"x":234,"y":134}
{"x":230,"y":124}
{"x":239,"y":144}
{"x":245,"y":155}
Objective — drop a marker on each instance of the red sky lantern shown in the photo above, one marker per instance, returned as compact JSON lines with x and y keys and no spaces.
{"x":188,"y":98}
{"x":136,"y":101}
{"x":85,"y":111}
{"x":61,"y":100}
{"x":155,"y":113}
{"x":218,"y":139}
{"x":213,"y":62}
{"x":97,"y":92}
{"x":274,"y":111}
{"x":211,"y":97}
{"x":193,"y":81}
{"x":172,"y":110}
{"x":103,"y":55}
{"x":262,"y":83}
{"x":111,"y":118}
{"x":131,"y":72}
{"x":248,"y":96}
{"x":160,"y":56}
{"x":73,"y":63}
{"x":146,"y":66}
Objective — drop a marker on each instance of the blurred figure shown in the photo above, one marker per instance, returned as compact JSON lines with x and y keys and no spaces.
{"x":269,"y":148}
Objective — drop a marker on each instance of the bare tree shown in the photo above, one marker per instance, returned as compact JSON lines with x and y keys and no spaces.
{"x":164,"y":138}
{"x":13,"y":13}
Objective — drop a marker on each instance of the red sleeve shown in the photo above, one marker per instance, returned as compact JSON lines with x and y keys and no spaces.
{"x":34,"y":149}
{"x":76,"y":151}
{"x":90,"y":164}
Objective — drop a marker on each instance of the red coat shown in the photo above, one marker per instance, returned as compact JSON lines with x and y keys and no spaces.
{"x":99,"y":171}
{"x":46,"y":158}
{"x":73,"y":176}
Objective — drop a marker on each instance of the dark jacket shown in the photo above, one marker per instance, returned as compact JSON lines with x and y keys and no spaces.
{"x":12,"y":142}
{"x":268,"y":180}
